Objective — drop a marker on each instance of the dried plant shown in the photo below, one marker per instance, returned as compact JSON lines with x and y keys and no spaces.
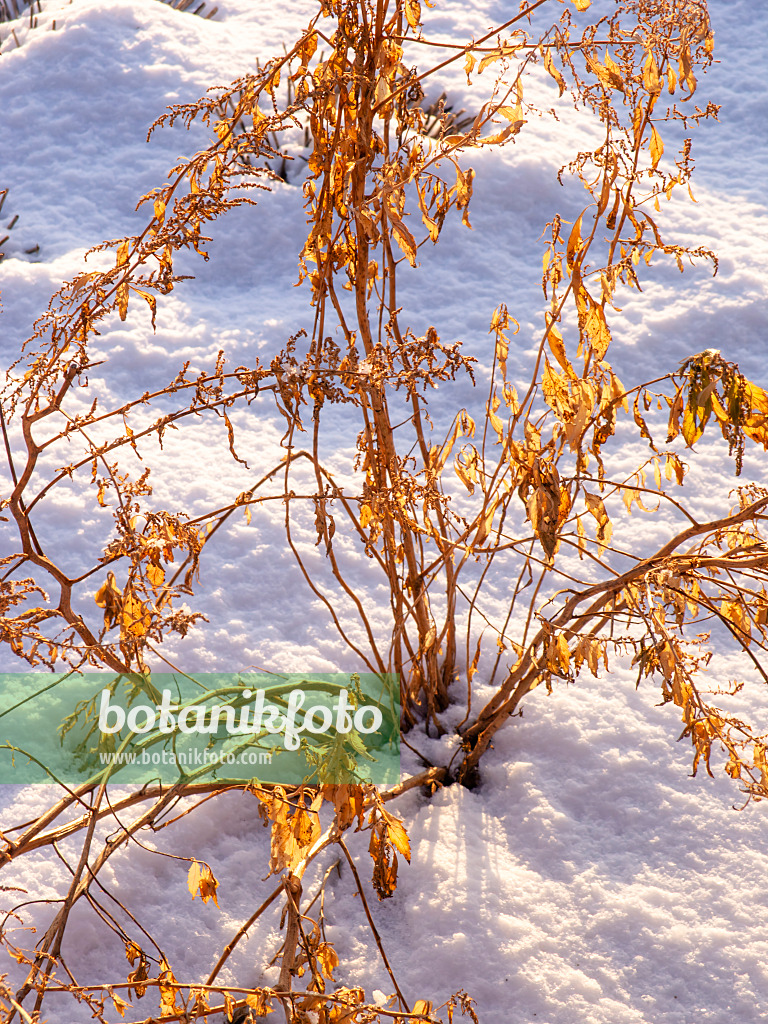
{"x":526,"y":495}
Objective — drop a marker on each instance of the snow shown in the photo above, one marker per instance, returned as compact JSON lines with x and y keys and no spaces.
{"x":589,"y":878}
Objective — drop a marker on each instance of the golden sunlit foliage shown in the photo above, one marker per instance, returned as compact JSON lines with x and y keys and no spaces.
{"x":524,"y":489}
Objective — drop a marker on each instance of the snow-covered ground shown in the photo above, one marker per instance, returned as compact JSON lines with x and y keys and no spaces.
{"x":589,"y":879}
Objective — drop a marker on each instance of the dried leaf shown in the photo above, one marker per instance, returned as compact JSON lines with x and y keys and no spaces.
{"x":120,"y":1004}
{"x":167,"y":987}
{"x":258,"y":1000}
{"x":657,"y":147}
{"x":604,"y":528}
{"x":549,"y":65}
{"x":413,"y":12}
{"x":397,"y":835}
{"x":132,"y":952}
{"x":555,"y":339}
{"x":156,"y":575}
{"x":110,"y":598}
{"x":574,"y":245}
{"x":327,"y":958}
{"x":122,"y":288}
{"x":135,"y":617}
{"x":201,"y":879}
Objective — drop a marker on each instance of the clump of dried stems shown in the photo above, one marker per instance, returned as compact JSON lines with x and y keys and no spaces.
{"x":537,"y":501}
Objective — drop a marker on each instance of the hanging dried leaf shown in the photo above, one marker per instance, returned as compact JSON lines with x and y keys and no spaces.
{"x":327,"y":958}
{"x":413,"y":12}
{"x":604,"y":528}
{"x":260,"y":1001}
{"x":122,"y":287}
{"x":201,"y":879}
{"x":549,"y":64}
{"x":657,"y":147}
{"x":167,"y":986}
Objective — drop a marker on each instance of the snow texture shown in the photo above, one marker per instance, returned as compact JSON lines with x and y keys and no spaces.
{"x":590,"y":878}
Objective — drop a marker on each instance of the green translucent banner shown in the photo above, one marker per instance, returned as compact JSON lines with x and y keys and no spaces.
{"x":287,"y":728}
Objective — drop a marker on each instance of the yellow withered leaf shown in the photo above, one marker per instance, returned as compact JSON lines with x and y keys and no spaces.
{"x":109,"y":597}
{"x":595,"y":327}
{"x":486,"y":522}
{"x":306,"y":827}
{"x":651,"y":77}
{"x":555,"y":339}
{"x":432,"y":226}
{"x":201,"y":879}
{"x":273,"y":83}
{"x":308,"y":48}
{"x":167,"y":985}
{"x":582,"y":405}
{"x":422,"y":1006}
{"x":552,"y":70}
{"x":489,"y":59}
{"x":755,"y":423}
{"x":122,"y":288}
{"x":365,"y":516}
{"x":193,"y":878}
{"x":348,"y":801}
{"x":120,"y":1004}
{"x":510,"y":398}
{"x":327,"y":958}
{"x":397,"y":835}
{"x":135,"y":618}
{"x":404,"y":239}
{"x":657,"y":147}
{"x":151,"y":301}
{"x":496,"y":421}
{"x":555,"y":391}
{"x":200,"y":1004}
{"x":469,"y":66}
{"x":413,"y":12}
{"x":691,"y":429}
{"x":686,"y":75}
{"x":574,"y":245}
{"x":614,"y":72}
{"x":563,"y":654}
{"x":132,"y":952}
{"x":258,"y":1001}
{"x":609,"y":73}
{"x":156,"y":575}
{"x":466,"y":468}
{"x":343,"y":1012}
{"x":513,"y":114}
{"x":761,"y":762}
{"x":604,"y":528}
{"x":502,"y":351}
